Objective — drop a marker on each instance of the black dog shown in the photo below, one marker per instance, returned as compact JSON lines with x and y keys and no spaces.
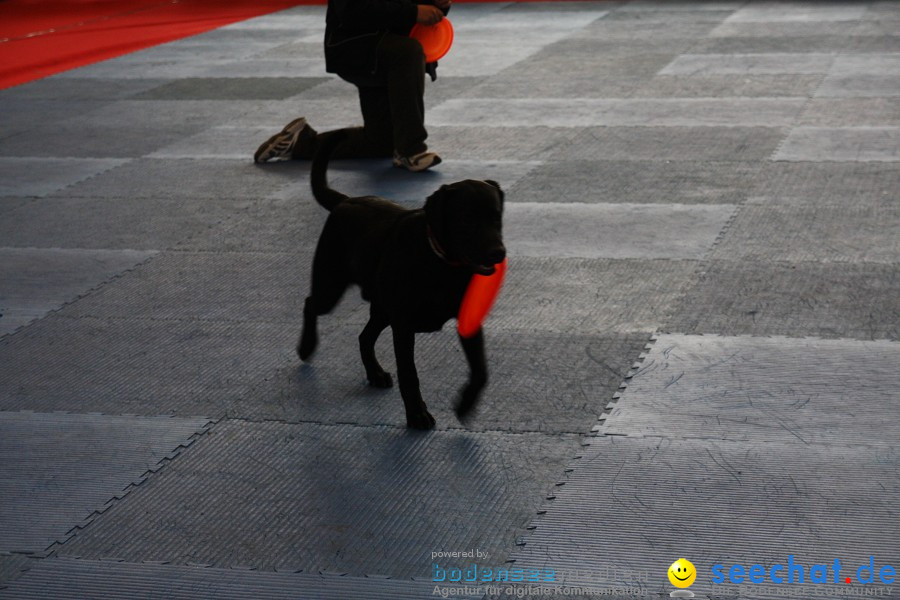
{"x":413,"y":266}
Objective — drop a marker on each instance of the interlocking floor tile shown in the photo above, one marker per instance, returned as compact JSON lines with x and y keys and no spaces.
{"x":762,"y":390}
{"x":360,"y":501}
{"x":768,"y":230}
{"x":580,"y":230}
{"x":638,"y":181}
{"x":35,"y":281}
{"x":43,"y":176}
{"x":715,"y":503}
{"x":796,"y":299}
{"x":842,"y":144}
{"x":66,"y":578}
{"x":60,"y":469}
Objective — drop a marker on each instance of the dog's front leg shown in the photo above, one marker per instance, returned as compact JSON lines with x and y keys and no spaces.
{"x":417,"y":415}
{"x":473,"y":347}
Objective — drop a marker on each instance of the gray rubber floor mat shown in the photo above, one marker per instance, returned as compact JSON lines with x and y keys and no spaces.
{"x":802,"y":13}
{"x":290,"y":225}
{"x":160,"y":179}
{"x":586,"y":296}
{"x":204,"y":286}
{"x":538,"y":381}
{"x":60,"y":92}
{"x":796,"y":299}
{"x":769,"y":230}
{"x":850,"y":112}
{"x":99,"y":133}
{"x":644,"y":181}
{"x":578,"y":230}
{"x":761,"y":390}
{"x":675,"y":108}
{"x":356,"y":500}
{"x":632,"y":112}
{"x":203,"y":88}
{"x":148,"y":367}
{"x":852,"y":184}
{"x":504,"y":143}
{"x":66,"y":579}
{"x":59,"y":470}
{"x":149,"y":224}
{"x":749,"y":64}
{"x":13,"y":566}
{"x":726,"y":86}
{"x":35,"y":281}
{"x":842,"y":144}
{"x":632,"y":506}
{"x":671,"y":143}
{"x":863,"y":75}
{"x":43,"y":176}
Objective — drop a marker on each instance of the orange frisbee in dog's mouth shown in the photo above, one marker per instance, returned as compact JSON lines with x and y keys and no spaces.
{"x":435,"y":39}
{"x":478,"y":300}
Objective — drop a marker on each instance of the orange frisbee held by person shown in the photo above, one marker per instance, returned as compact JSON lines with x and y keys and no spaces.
{"x":435,"y":39}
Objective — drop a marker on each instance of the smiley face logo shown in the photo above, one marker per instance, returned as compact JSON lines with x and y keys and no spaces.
{"x":682,"y":573}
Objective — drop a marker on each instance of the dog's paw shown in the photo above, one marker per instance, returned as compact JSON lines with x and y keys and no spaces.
{"x":467,"y":401}
{"x":381,"y":380}
{"x":422,"y":421}
{"x":306,"y":347}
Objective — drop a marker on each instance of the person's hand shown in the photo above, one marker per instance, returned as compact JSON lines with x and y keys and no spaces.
{"x":429,"y":15}
{"x":444,"y":5}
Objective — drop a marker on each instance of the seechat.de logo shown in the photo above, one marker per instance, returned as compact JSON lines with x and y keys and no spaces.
{"x":793,"y":572}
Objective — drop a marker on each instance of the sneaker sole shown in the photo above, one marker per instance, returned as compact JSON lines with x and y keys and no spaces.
{"x":270,"y":148}
{"x":416,"y":169}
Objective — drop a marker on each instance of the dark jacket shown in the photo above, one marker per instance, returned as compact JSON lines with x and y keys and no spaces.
{"x":354,"y":28}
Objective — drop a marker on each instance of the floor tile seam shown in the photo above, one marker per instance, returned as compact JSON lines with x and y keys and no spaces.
{"x":709,"y":260}
{"x":280,"y":570}
{"x":111,"y":503}
{"x":152,"y":319}
{"x":601,"y":333}
{"x":637,"y":368}
{"x":774,"y":336}
{"x":181,"y":249}
{"x":513,"y":330}
{"x":802,"y":113}
{"x":232,"y":568}
{"x":820,"y":447}
{"x":142,"y":196}
{"x":81,"y":296}
{"x":238,"y":419}
{"x":862,"y":337}
{"x":834,"y":161}
{"x":119,"y":161}
{"x":695,"y":278}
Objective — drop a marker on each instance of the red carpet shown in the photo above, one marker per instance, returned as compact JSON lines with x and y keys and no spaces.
{"x":42,"y":37}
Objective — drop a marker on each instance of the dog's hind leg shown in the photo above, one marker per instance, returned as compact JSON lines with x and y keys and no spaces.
{"x":417,"y":415}
{"x":473,"y":347}
{"x":374,"y":372}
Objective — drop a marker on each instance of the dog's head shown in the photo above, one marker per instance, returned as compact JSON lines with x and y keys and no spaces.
{"x":465,"y":222}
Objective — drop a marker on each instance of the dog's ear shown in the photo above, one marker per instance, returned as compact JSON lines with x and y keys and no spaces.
{"x":493,"y":183}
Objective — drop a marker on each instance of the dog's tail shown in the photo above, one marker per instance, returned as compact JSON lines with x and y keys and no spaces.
{"x":324,"y":195}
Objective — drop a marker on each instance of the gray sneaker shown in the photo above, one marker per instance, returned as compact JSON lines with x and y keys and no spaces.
{"x":417,"y":162}
{"x":281,"y":145}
